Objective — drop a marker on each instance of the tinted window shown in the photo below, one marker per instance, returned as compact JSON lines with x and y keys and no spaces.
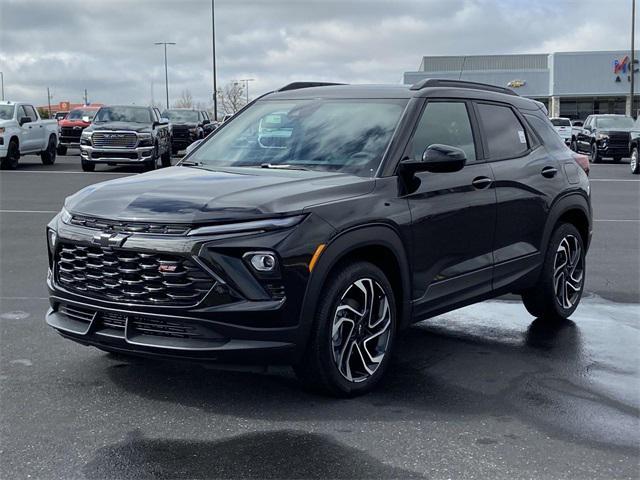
{"x":31,"y":113}
{"x":545,"y":131}
{"x":560,"y":122}
{"x":178,"y":116}
{"x":614,"y":122}
{"x":6,"y":112}
{"x":506,"y":137}
{"x":124,"y":114}
{"x":78,"y":113}
{"x":446,"y":123}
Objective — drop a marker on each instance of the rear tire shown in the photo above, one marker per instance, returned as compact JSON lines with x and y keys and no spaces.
{"x":635,"y":161}
{"x":48,"y":156}
{"x":88,"y":166}
{"x":10,"y":162}
{"x":559,"y":289}
{"x":352,"y":336}
{"x":62,"y":149}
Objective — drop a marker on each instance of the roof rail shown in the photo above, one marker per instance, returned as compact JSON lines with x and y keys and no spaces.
{"x":435,"y":82}
{"x":298,"y":85}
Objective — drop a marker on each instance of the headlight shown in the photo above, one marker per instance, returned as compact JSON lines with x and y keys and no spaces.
{"x":52,"y":237}
{"x":193,"y":130}
{"x":602,"y":136}
{"x":1,"y":129}
{"x":86,"y":135}
{"x":145,"y":139}
{"x":65,"y":216}
{"x":253,"y":226}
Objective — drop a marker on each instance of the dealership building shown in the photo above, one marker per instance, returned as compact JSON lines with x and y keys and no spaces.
{"x":570,"y":84}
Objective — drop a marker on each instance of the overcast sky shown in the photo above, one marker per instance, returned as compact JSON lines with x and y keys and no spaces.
{"x":107,"y":46}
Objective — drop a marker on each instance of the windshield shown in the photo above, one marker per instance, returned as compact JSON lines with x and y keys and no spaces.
{"x":561,"y":122}
{"x":614,"y":122}
{"x":181,"y":115}
{"x":78,"y":113}
{"x":123,"y":114}
{"x":347,"y":136}
{"x":6,"y":112}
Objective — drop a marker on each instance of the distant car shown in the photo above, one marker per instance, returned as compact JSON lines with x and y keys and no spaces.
{"x":126,"y":134}
{"x":72,"y":126}
{"x":634,"y":147}
{"x":605,"y":136}
{"x":60,"y":115}
{"x":563,"y":127}
{"x":188,"y":125}
{"x":22,"y":132}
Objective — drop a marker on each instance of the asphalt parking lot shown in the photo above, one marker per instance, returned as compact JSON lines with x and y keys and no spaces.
{"x":482,"y":392}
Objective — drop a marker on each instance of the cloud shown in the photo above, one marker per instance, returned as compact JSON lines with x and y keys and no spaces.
{"x":107,"y":46}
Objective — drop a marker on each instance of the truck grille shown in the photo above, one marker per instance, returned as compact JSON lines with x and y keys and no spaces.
{"x":71,"y":133}
{"x":131,"y":276}
{"x":180,"y":132}
{"x":114,"y":139}
{"x":619,"y":139}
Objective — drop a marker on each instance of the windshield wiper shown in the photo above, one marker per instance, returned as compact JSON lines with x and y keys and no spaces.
{"x":282,"y":166}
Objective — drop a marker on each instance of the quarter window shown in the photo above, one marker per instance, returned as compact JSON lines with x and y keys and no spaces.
{"x":445,"y":123}
{"x":506,"y":136}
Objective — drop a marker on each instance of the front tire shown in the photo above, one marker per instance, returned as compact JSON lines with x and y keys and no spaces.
{"x":152,"y":163}
{"x":48,"y":156}
{"x":559,"y":289}
{"x":353,"y":332}
{"x":574,"y":145}
{"x":594,"y":156}
{"x":10,"y":162}
{"x":88,"y":166}
{"x":166,"y":159}
{"x":635,"y":162}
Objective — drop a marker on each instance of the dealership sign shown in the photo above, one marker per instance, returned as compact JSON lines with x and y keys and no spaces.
{"x":622,"y":66}
{"x":516,"y":83}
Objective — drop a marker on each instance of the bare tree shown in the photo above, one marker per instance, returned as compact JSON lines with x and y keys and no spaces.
{"x":185,"y":100}
{"x":232,"y":97}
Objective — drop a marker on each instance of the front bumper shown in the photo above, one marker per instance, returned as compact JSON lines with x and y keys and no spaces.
{"x":70,"y":142}
{"x":259,"y":325}
{"x":115,"y":155}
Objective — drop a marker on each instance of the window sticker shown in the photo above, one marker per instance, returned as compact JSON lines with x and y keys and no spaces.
{"x":522,"y":137}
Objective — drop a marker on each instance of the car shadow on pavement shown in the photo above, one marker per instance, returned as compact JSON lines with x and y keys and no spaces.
{"x":284,"y":454}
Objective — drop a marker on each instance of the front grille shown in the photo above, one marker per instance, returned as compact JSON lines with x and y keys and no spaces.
{"x":123,"y":155}
{"x":114,"y":139}
{"x":619,"y":140}
{"x":115,"y":226}
{"x":77,"y":313}
{"x":131,"y":276}
{"x":163,"y":328}
{"x":182,"y":133}
{"x":71,"y":133}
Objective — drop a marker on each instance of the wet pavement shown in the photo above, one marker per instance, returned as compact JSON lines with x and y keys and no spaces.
{"x":483,"y":392}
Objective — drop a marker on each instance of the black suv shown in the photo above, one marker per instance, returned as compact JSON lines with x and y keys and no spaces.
{"x":318,"y":222}
{"x":605,"y":136}
{"x":126,"y":134}
{"x":188,"y":126}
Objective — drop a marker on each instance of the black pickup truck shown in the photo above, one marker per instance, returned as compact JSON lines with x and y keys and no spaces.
{"x":188,"y":125}
{"x":126,"y":134}
{"x":605,"y":136}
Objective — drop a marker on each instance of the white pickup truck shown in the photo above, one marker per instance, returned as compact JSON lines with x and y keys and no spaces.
{"x":22,"y":131}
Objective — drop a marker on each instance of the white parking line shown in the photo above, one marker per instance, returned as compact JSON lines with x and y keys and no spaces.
{"x":614,"y":220}
{"x":614,"y":180}
{"x":29,"y":211}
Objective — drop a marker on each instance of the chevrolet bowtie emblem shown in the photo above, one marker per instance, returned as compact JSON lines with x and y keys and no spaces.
{"x":105,"y":239}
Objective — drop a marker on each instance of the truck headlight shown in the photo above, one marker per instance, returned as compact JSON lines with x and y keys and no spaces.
{"x":52,"y":237}
{"x":602,"y":136}
{"x":145,"y":140}
{"x":193,"y":130}
{"x":65,"y":216}
{"x":1,"y":130}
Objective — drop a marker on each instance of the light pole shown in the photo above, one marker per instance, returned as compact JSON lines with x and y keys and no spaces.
{"x":246,"y":85}
{"x":166,"y":71}
{"x":213,"y":45}
{"x":2,"y":83}
{"x":633,"y":54}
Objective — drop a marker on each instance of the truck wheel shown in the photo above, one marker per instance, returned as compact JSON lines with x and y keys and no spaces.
{"x":88,"y":166}
{"x":62,"y":149}
{"x":10,"y":162}
{"x":635,"y":163}
{"x":353,"y":332}
{"x":574,"y":145}
{"x":166,"y":159}
{"x":594,"y":156}
{"x":559,"y":289}
{"x":48,"y":156}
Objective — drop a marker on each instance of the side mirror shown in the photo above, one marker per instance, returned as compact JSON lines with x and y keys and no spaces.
{"x":587,"y":128}
{"x":24,"y":120}
{"x":164,"y":121}
{"x":437,"y":158}
{"x":206,"y":122}
{"x":191,"y":147}
{"x":86,"y":119}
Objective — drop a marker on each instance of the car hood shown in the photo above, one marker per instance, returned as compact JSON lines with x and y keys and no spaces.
{"x":7,"y":122}
{"x":196,"y":195}
{"x":136,"y":127}
{"x":73,"y":123}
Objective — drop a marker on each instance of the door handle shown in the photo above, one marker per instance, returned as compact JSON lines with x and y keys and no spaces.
{"x":549,"y":172}
{"x":481,"y":182}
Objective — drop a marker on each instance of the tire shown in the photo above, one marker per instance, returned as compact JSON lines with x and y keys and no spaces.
{"x":635,"y":161}
{"x":88,"y":166}
{"x":10,"y":162}
{"x":152,"y":163}
{"x":48,"y":156}
{"x":62,"y":150}
{"x":165,"y":159}
{"x":574,"y":145}
{"x":594,"y":156}
{"x":550,"y":299}
{"x":334,"y":363}
{"x":174,"y":150}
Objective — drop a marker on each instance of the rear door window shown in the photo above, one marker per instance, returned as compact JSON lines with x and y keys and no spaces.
{"x":506,"y":137}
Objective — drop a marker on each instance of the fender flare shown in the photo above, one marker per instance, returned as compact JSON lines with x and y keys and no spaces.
{"x":339,"y":247}
{"x":572,"y":201}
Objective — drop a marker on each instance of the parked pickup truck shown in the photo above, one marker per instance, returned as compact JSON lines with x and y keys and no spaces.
{"x":22,"y":131}
{"x":126,"y":134}
{"x":72,"y":125}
